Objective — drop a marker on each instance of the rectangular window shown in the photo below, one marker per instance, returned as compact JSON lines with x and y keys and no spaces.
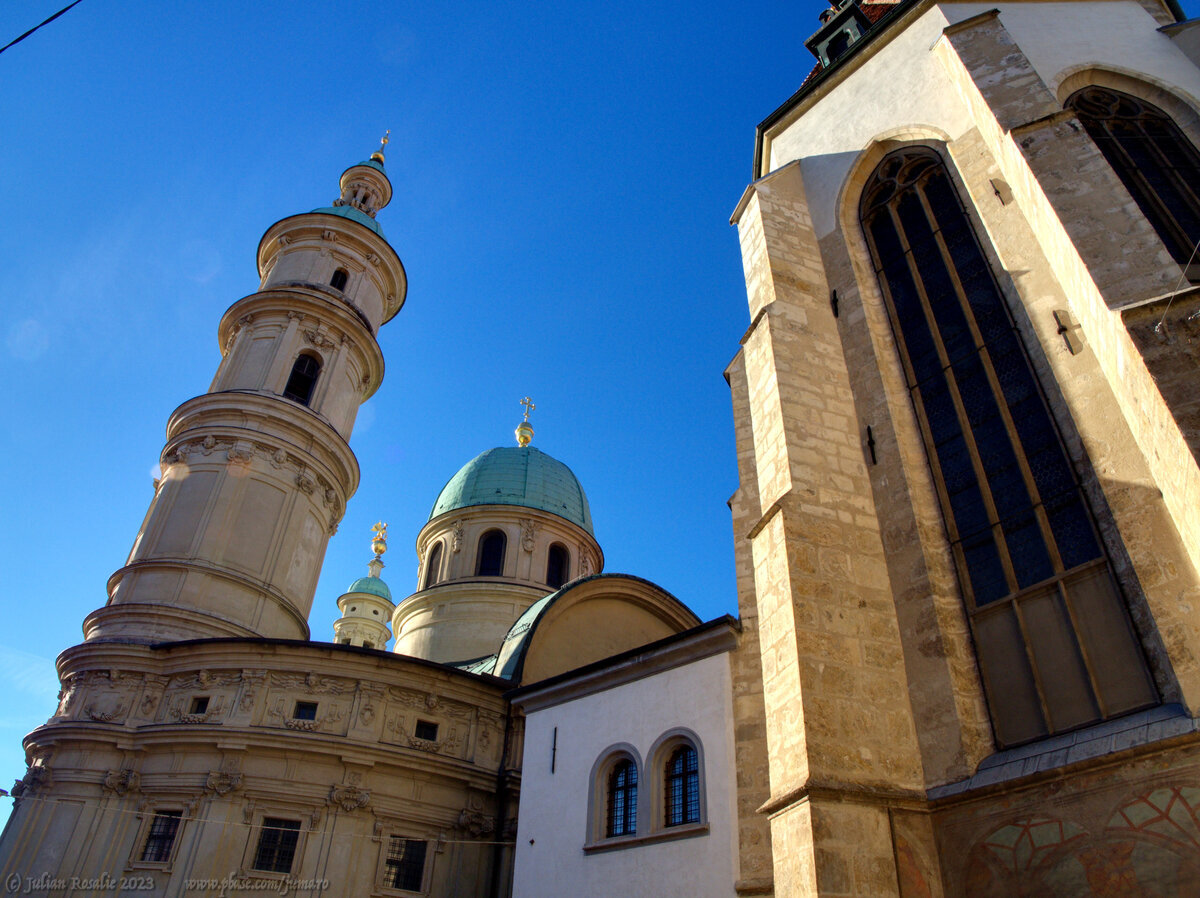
{"x":199,"y":705}
{"x":277,"y":845}
{"x":427,"y":731}
{"x":161,"y":838}
{"x":404,"y":866}
{"x":305,"y":711}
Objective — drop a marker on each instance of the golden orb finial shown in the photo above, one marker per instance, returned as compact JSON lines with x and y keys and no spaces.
{"x":379,"y":541}
{"x":524,"y":430}
{"x":378,"y":154}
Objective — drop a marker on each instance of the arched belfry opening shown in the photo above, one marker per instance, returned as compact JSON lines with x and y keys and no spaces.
{"x":303,"y":380}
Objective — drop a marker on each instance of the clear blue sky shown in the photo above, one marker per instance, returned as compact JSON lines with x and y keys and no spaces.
{"x":563,"y":176}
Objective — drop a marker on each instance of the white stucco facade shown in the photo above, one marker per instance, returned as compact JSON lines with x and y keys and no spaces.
{"x":666,"y":691}
{"x":871,"y":103}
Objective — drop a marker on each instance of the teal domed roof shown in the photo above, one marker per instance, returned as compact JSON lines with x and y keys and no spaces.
{"x":354,"y":215}
{"x":517,"y":475}
{"x":372,"y":586}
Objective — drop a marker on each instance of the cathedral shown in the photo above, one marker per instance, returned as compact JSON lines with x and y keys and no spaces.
{"x":966,"y":660}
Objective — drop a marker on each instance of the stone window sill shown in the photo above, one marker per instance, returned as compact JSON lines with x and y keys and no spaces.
{"x":670,"y":834}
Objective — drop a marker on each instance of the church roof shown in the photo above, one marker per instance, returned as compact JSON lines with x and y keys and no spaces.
{"x":353,"y":214}
{"x":372,"y":586}
{"x":517,"y":475}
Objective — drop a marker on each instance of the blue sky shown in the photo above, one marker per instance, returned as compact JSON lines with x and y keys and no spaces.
{"x":563,"y":177}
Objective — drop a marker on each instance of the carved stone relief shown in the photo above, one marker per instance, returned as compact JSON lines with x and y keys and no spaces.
{"x":120,"y":782}
{"x":349,"y":797}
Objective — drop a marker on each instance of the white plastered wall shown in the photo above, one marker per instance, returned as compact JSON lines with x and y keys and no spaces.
{"x":871,"y":103}
{"x":553,"y":827}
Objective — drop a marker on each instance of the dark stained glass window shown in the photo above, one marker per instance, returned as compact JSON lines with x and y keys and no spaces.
{"x":1156,"y":162}
{"x":1053,"y":639}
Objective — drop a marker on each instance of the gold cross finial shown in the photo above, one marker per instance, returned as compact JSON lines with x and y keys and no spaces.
{"x":525,"y":429}
{"x":378,"y":154}
{"x":379,"y":541}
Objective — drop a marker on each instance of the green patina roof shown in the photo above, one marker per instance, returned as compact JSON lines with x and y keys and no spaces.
{"x":370,"y":163}
{"x":513,"y":475}
{"x":372,"y":586}
{"x":354,"y":215}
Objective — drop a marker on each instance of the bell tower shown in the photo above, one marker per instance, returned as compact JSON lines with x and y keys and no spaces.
{"x":256,"y":472}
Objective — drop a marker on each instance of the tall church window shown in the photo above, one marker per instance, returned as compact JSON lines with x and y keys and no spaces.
{"x":303,"y":378}
{"x":433,"y":566}
{"x":557,"y":561}
{"x":1053,"y":639}
{"x":682,"y":787}
{"x":1155,"y":161}
{"x":491,"y":554}
{"x":622,"y":799}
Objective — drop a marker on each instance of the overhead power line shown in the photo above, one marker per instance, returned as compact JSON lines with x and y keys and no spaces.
{"x":36,"y":27}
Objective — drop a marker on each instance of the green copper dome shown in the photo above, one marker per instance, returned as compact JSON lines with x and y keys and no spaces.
{"x":354,"y":215}
{"x":371,"y":586}
{"x":521,"y":476}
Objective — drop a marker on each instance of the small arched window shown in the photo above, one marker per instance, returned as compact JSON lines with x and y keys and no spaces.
{"x":681,"y":782}
{"x":433,"y":566}
{"x":557,"y":563}
{"x":1155,"y":161}
{"x":303,"y":378}
{"x":621,"y":817}
{"x":338,"y":281}
{"x":491,"y":554}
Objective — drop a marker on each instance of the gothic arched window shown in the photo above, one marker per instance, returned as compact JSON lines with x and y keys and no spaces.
{"x":557,"y":561}
{"x":1055,"y":646}
{"x":303,"y":378}
{"x":1155,"y":161}
{"x":433,"y":566}
{"x":621,"y":819}
{"x":491,"y":554}
{"x":682,"y":787}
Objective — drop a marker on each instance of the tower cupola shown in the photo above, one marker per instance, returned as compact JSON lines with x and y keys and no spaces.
{"x":367,"y":605}
{"x":511,"y":526}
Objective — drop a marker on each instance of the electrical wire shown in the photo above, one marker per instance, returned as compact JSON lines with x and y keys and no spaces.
{"x":36,"y":27}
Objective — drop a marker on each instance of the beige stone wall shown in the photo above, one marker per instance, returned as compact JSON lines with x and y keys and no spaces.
{"x":464,"y":616}
{"x":1062,"y":235}
{"x":124,"y":744}
{"x":1117,"y":825}
{"x":755,"y":874}
{"x":839,"y":725}
{"x":1098,"y":253}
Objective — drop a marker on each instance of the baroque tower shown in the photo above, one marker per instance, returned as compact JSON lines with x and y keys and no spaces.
{"x":256,"y":472}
